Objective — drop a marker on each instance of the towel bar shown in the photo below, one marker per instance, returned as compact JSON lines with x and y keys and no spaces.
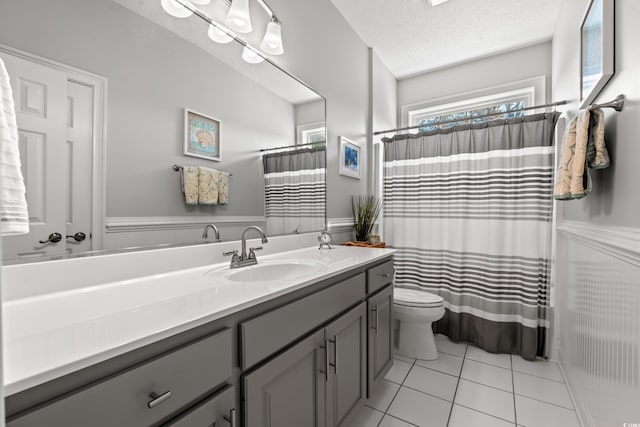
{"x":617,"y":104}
{"x":179,"y":168}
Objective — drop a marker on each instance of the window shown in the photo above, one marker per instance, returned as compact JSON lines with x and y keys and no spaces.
{"x":500,"y":105}
{"x":311,"y":133}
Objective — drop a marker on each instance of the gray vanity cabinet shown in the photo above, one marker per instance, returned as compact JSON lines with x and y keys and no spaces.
{"x":217,"y":411}
{"x":380,"y":311}
{"x":346,"y":355}
{"x":288,"y":391}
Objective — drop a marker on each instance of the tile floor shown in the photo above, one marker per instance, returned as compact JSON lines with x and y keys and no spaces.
{"x":469,"y":387}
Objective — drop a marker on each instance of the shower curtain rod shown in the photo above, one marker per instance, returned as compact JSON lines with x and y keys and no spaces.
{"x":616,"y":104}
{"x":291,"y":146}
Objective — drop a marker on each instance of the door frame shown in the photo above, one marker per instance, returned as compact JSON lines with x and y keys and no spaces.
{"x":99,"y":85}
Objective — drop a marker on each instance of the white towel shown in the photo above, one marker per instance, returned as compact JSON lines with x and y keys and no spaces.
{"x":190,"y":184}
{"x":223,"y":188}
{"x":14,"y":218}
{"x":208,"y":186}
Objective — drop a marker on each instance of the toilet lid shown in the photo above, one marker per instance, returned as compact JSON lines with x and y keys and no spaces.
{"x":416,"y":298}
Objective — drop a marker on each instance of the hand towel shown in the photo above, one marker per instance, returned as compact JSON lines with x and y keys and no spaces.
{"x":14,"y":218}
{"x":223,"y":189}
{"x":190,"y":184}
{"x":583,"y":147}
{"x":208,"y":180}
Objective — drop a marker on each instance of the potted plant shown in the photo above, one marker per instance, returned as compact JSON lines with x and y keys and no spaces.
{"x":365,"y":212}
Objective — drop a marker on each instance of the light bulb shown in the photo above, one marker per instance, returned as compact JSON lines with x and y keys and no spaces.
{"x":272,"y":41}
{"x":239,"y":18}
{"x":173,"y":8}
{"x":251,"y":56}
{"x":217,"y":35}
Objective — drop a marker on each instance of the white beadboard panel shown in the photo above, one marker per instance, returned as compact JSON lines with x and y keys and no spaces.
{"x":598,"y":317}
{"x":124,"y":232}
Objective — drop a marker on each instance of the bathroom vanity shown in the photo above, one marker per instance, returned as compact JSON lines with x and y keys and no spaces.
{"x":235,"y":347}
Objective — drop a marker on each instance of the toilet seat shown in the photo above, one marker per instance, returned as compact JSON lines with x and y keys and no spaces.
{"x":416,"y":298}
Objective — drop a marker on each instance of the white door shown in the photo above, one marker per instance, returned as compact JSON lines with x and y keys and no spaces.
{"x":48,"y":115}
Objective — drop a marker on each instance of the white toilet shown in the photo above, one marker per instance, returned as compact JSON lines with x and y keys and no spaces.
{"x":417,"y":310}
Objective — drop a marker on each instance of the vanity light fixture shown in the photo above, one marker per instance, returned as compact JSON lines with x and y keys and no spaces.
{"x":251,"y":55}
{"x":218,"y":35}
{"x":272,"y":41}
{"x":435,"y":2}
{"x":176,"y":9}
{"x":239,"y":19}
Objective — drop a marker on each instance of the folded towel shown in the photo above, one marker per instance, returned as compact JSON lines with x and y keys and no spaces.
{"x":14,"y":218}
{"x":583,"y":147}
{"x":223,"y":189}
{"x":190,"y":184}
{"x":208,"y":180}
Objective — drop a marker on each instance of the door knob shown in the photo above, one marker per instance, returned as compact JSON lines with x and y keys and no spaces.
{"x":53,"y":238}
{"x":78,"y":237}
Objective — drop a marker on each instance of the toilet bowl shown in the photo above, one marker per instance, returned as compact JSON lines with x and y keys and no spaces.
{"x":416,"y":310}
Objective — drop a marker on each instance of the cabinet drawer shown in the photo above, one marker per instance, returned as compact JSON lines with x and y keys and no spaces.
{"x":187,"y":373}
{"x":211,"y":412}
{"x":266,"y":334}
{"x":379,"y":276}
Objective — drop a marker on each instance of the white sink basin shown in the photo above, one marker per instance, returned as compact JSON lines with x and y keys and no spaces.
{"x":268,"y":271}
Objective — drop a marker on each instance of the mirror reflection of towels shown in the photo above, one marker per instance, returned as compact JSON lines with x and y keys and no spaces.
{"x":223,"y":189}
{"x":190,"y":182}
{"x":208,"y":180}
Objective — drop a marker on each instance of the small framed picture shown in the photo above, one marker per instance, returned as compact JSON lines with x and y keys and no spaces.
{"x":349,"y":158}
{"x":596,"y":49}
{"x":201,"y":136}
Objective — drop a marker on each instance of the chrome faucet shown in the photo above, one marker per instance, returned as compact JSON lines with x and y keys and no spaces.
{"x":205,"y":233}
{"x":244,"y":259}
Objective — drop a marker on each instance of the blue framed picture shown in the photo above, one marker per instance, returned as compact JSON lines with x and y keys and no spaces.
{"x":201,"y":136}
{"x":350,"y":161}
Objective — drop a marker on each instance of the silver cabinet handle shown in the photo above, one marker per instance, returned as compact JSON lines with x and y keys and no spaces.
{"x":375,"y":310}
{"x":326,"y":360}
{"x":231,"y":419}
{"x":335,"y":354}
{"x":386,"y":275}
{"x":158,"y":398}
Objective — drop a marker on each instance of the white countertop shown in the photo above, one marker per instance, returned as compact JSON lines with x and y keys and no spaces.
{"x":51,"y":335}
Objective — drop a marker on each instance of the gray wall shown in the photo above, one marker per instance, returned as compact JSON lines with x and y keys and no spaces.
{"x":615,"y":199}
{"x":495,"y":70}
{"x":153,"y":75}
{"x":324,"y":51}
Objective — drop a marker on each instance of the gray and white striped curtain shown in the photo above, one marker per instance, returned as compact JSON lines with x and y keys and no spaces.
{"x":294,"y":190}
{"x":469,"y":209}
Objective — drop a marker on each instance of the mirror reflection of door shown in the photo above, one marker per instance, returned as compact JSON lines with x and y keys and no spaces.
{"x":55,"y":130}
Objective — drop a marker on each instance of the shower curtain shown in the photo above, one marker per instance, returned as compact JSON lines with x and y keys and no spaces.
{"x":469,"y":209}
{"x":294,"y":190}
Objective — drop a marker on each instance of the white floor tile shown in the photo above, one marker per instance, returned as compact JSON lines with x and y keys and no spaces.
{"x":419,"y":408}
{"x":540,"y":368}
{"x":542,"y":389}
{"x":398,"y":371}
{"x":480,"y":355}
{"x":445,"y":345}
{"x":366,"y":417}
{"x":533,"y":413}
{"x":389,"y":421}
{"x":446,"y":363}
{"x":432,"y":382}
{"x":383,"y":395}
{"x":487,"y":374}
{"x":465,"y":417}
{"x":485,"y":399}
{"x":404,"y":359}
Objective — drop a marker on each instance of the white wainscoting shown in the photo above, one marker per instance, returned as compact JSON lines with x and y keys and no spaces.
{"x":123,"y":232}
{"x":598,"y":316}
{"x":341,"y":229}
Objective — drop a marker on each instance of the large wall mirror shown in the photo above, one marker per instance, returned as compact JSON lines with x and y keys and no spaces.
{"x":101,"y":89}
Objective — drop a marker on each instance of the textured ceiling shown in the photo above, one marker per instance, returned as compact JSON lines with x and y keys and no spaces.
{"x":411,"y":37}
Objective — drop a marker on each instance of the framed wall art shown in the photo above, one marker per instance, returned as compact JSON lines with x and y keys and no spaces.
{"x":201,"y":136}
{"x":350,"y":163}
{"x":596,"y":49}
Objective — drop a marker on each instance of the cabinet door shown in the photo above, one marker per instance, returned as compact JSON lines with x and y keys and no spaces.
{"x":216,"y":411}
{"x":380,"y":336}
{"x":288,"y":391}
{"x":346,"y":351}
